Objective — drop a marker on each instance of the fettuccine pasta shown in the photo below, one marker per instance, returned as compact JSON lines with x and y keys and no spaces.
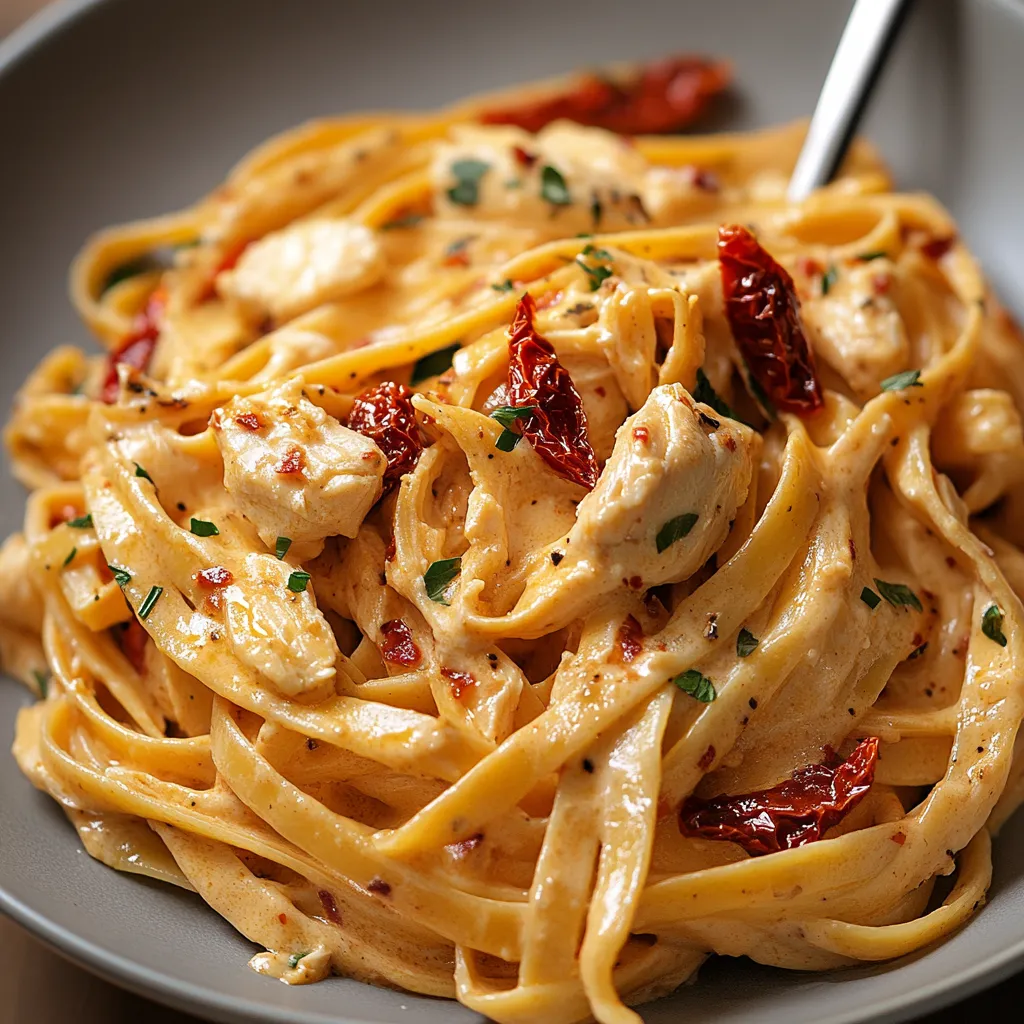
{"x":514,"y":565}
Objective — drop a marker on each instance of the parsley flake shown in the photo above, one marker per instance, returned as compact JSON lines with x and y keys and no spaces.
{"x":439,"y":577}
{"x":507,"y":440}
{"x":696,"y":685}
{"x":466,"y":190}
{"x":122,"y":577}
{"x":150,"y":603}
{"x":675,"y":529}
{"x":553,"y":187}
{"x":597,"y":272}
{"x":202,"y":528}
{"x":42,"y":681}
{"x":506,"y":415}
{"x":139,"y":471}
{"x":293,"y":960}
{"x":897,"y":594}
{"x":992,"y":624}
{"x":71,"y":556}
{"x":746,"y":643}
{"x":282,"y":546}
{"x":867,"y":257}
{"x":434,"y":364}
{"x":870,"y":598}
{"x":409,"y":220}
{"x":504,"y":286}
{"x":707,"y":395}
{"x":899,"y":381}
{"x":297,"y":581}
{"x":82,"y":522}
{"x":829,"y":278}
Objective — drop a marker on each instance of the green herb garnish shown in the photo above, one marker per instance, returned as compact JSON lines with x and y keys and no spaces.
{"x":707,"y":395}
{"x":696,"y":685}
{"x":145,"y":264}
{"x":150,"y":603}
{"x":870,"y":598}
{"x":434,"y":364}
{"x":829,"y":278}
{"x":899,"y":381}
{"x":897,"y":594}
{"x":71,"y":557}
{"x":42,"y":681}
{"x":202,"y":528}
{"x":122,"y":577}
{"x":746,"y":642}
{"x":675,"y":529}
{"x":139,"y":471}
{"x":82,"y":522}
{"x":504,"y":286}
{"x":293,"y":960}
{"x":868,"y":256}
{"x":439,"y":576}
{"x":506,"y":415}
{"x":409,"y":220}
{"x":466,"y":190}
{"x":992,"y":624}
{"x":297,"y":581}
{"x":553,"y":187}
{"x":507,"y":440}
{"x":282,"y":546}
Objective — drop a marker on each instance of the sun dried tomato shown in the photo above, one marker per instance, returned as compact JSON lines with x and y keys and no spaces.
{"x":385,"y":415}
{"x":662,"y":96}
{"x":136,"y":349}
{"x":764,"y":314}
{"x":630,"y":638}
{"x":397,"y":645}
{"x":798,"y":811}
{"x":557,"y":429}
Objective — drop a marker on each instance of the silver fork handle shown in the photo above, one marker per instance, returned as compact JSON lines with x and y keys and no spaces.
{"x":866,"y":38}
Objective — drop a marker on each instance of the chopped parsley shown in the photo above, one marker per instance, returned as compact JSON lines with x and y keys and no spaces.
{"x":203,"y":528}
{"x":696,"y":685}
{"x":596,"y":210}
{"x":439,"y":577}
{"x":139,"y":471}
{"x":707,"y":395}
{"x":71,"y":556}
{"x":553,"y":187}
{"x":992,"y":624}
{"x":150,"y":603}
{"x":897,"y":594}
{"x":122,"y":577}
{"x":82,"y":522}
{"x":899,"y":381}
{"x":408,"y":220}
{"x":466,"y":190}
{"x":507,"y":440}
{"x":145,"y":264}
{"x":867,"y":257}
{"x":42,"y":681}
{"x":870,"y":598}
{"x":434,"y":364}
{"x":599,"y":271}
{"x":293,"y":960}
{"x":675,"y":529}
{"x":504,"y":286}
{"x":282,"y":546}
{"x":506,"y":415}
{"x":746,"y":643}
{"x":829,"y":278}
{"x":297,"y":581}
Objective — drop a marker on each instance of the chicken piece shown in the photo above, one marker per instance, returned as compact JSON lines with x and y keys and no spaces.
{"x":590,"y":179}
{"x":663,"y":504}
{"x":280,"y":634}
{"x":304,"y":265}
{"x":294,"y":471}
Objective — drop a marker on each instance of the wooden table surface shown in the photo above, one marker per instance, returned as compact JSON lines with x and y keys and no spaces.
{"x":30,"y":992}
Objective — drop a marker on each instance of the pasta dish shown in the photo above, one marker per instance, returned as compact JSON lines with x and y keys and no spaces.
{"x":512,"y":553}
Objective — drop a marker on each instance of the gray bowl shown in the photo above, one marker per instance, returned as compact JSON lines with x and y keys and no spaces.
{"x":120,"y":109}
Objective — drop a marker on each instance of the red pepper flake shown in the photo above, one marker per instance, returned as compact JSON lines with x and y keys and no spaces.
{"x":63,"y":515}
{"x":764,"y":314}
{"x":557,"y":429}
{"x":936,"y":248}
{"x":706,"y":759}
{"x":809,"y":267}
{"x":456,"y":255}
{"x":136,"y":349}
{"x":459,"y":682}
{"x":703,"y":179}
{"x":635,"y":583}
{"x":292,"y":462}
{"x":379,"y":887}
{"x":385,"y":415}
{"x":630,"y":638}
{"x":600,"y":391}
{"x":460,"y":849}
{"x":523,"y":157}
{"x":215,"y":576}
{"x":730,"y":442}
{"x":330,"y":906}
{"x":662,"y":96}
{"x":798,"y":811}
{"x":249,"y":420}
{"x":899,"y":838}
{"x":881,"y":283}
{"x":132,"y":640}
{"x":397,"y":645}
{"x":641,"y":435}
{"x":283,"y":918}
